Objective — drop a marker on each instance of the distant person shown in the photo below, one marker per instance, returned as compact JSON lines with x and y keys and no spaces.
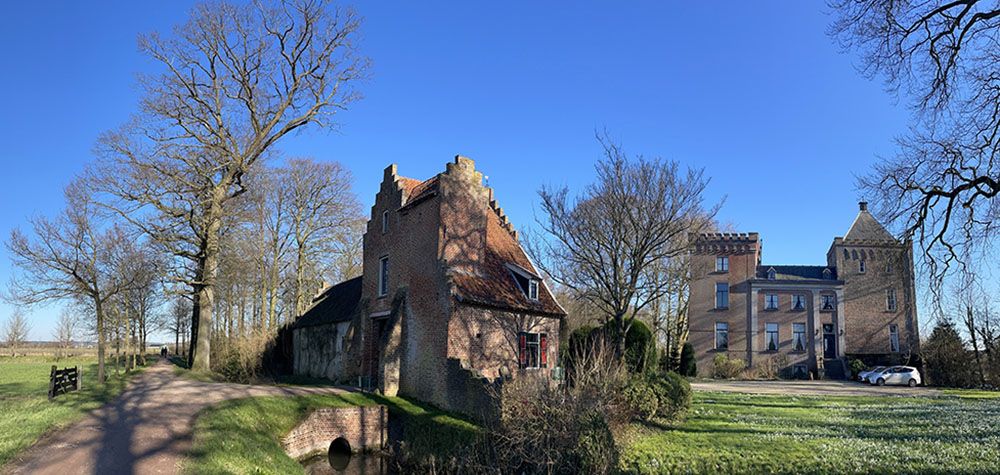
{"x":163,"y":352}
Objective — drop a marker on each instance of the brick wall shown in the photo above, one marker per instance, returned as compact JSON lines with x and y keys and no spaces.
{"x":867,"y":318}
{"x":364,"y":428}
{"x":743,"y":251}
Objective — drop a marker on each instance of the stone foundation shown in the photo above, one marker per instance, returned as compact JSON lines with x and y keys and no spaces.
{"x":364,"y":428}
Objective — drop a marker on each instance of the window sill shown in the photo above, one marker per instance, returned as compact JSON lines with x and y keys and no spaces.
{"x":719,"y":309}
{"x":827,"y":310}
{"x":771,"y":309}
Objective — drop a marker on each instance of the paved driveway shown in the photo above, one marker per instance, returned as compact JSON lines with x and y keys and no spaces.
{"x":811,"y":388}
{"x":146,"y":429}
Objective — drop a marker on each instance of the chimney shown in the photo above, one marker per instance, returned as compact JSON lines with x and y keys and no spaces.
{"x":863,"y":205}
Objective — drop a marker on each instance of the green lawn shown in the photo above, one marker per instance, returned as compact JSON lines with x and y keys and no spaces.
{"x":27,"y":413}
{"x":735,"y":433}
{"x":242,"y":436}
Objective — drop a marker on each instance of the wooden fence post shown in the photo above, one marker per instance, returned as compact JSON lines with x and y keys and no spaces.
{"x":52,"y":382}
{"x":79,"y":378}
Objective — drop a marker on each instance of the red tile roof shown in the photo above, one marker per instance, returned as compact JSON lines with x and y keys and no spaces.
{"x":494,"y":286}
{"x":416,"y":189}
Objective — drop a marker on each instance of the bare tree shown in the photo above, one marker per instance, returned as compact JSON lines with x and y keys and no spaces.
{"x":323,"y":219}
{"x":941,"y":187}
{"x":237,"y":79}
{"x":65,"y":330}
{"x":604,"y":243}
{"x":71,"y":257}
{"x":16,"y":330}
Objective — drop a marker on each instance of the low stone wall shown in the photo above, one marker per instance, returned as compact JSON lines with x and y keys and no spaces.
{"x":364,"y":428}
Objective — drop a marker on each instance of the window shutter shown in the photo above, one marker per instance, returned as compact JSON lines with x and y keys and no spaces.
{"x":522,"y":349}
{"x":543,"y":348}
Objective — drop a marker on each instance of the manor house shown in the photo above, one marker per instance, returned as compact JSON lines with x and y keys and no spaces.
{"x":807,"y":319}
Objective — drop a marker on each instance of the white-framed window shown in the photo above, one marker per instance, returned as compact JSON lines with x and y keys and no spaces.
{"x":829,"y":302}
{"x":827,"y":274}
{"x":799,"y":336}
{"x":533,"y":289}
{"x":861,"y":266}
{"x":771,"y":274}
{"x":771,"y":336}
{"x":771,"y":302}
{"x":532,"y":350}
{"x":798,"y":302}
{"x":383,"y":276}
{"x":722,"y":264}
{"x":890,"y":300}
{"x":893,"y":338}
{"x":721,"y":336}
{"x":722,"y":295}
{"x":385,"y":222}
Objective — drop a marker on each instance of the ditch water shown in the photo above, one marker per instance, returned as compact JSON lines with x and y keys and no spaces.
{"x":340,"y":463}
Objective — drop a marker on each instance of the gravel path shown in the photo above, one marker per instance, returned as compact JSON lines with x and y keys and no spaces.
{"x":147,"y":429}
{"x":811,"y":388}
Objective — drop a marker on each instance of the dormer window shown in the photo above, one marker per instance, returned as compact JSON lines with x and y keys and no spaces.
{"x":526,"y":280}
{"x":533,"y":289}
{"x":827,"y":274}
{"x":772,"y":274}
{"x":385,"y":222}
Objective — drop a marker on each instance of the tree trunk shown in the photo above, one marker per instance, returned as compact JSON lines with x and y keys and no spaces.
{"x":206,"y":292}
{"x":970,"y":322}
{"x":99,"y":311}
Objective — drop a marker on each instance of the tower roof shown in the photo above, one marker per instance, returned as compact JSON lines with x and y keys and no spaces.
{"x":867,"y":228}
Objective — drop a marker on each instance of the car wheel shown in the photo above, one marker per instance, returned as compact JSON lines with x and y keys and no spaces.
{"x":880,"y":382}
{"x":913,"y":382}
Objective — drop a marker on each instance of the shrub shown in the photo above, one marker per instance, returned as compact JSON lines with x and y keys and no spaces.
{"x":689,"y":366}
{"x":666,"y":396}
{"x":725,"y":367}
{"x":770,"y":367}
{"x":856,"y":366}
{"x":640,"y":348}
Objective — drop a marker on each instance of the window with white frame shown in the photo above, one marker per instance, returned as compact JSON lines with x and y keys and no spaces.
{"x":828,"y":302}
{"x":385,"y":222}
{"x":532,"y":350}
{"x":771,"y":336}
{"x":722,"y":264}
{"x":772,"y":274}
{"x":893,"y":338}
{"x":533,"y":289}
{"x":771,"y":302}
{"x":383,"y":276}
{"x":798,"y":302}
{"x":799,"y":336}
{"x":722,"y":295}
{"x":721,"y":336}
{"x":890,"y":300}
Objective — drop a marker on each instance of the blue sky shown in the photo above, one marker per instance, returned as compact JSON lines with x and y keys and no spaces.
{"x":754,"y":92}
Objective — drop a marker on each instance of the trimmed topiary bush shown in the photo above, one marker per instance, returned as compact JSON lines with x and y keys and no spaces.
{"x":688,"y":366}
{"x":665,"y":396}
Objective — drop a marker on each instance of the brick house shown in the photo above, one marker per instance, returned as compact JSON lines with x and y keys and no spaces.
{"x":447,"y":301}
{"x":809,"y":319}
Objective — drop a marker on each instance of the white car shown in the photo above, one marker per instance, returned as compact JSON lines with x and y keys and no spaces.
{"x":863,"y":376}
{"x":902,"y":375}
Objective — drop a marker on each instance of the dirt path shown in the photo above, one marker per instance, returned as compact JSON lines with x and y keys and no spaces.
{"x":811,"y":388}
{"x":147,"y":429}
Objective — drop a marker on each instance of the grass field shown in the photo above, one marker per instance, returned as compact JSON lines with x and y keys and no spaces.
{"x":26,"y":411}
{"x":242,"y":436}
{"x":735,"y":433}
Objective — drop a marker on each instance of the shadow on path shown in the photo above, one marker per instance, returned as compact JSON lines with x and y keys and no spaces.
{"x":146,"y":429}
